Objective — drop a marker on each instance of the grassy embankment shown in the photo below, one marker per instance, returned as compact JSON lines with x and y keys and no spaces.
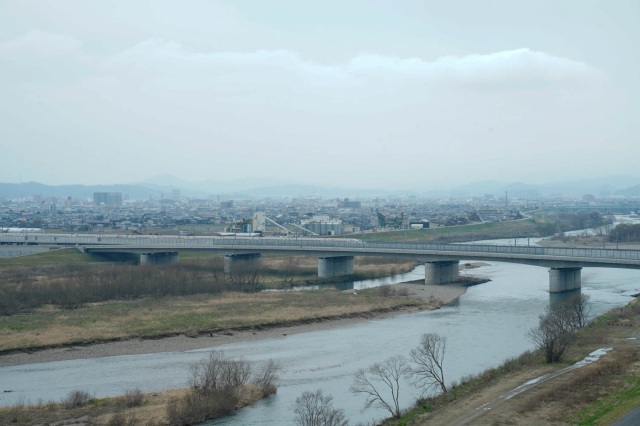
{"x":57,"y":257}
{"x":131,"y":409}
{"x":541,"y":224}
{"x":596,"y":394}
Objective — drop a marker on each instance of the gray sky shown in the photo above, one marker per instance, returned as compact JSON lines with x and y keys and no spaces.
{"x":406,"y":94}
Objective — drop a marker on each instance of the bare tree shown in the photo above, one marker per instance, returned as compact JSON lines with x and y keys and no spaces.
{"x":291,"y":266}
{"x":217,"y":373}
{"x":217,"y":385}
{"x":221,"y":373}
{"x":427,"y":360}
{"x":316,"y":409}
{"x":381,"y":377}
{"x":267,"y":375}
{"x":558,"y":325}
{"x":553,"y":334}
{"x":246,"y":277}
{"x":578,"y":309}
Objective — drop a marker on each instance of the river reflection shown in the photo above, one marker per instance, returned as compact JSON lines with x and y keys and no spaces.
{"x":484,"y":327}
{"x":416,"y":274}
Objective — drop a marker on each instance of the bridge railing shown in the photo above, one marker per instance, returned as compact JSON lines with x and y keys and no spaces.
{"x":178,"y":242}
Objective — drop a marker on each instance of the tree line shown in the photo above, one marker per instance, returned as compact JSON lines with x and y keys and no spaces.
{"x":569,"y":221}
{"x":625,"y":233}
{"x":74,"y":285}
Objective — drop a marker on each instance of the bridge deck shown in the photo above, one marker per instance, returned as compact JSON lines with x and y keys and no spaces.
{"x":323,"y":247}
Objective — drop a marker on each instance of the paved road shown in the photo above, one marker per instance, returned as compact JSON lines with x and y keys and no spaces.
{"x":631,"y":419}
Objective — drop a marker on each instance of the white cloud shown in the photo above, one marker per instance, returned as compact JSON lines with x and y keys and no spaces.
{"x":366,"y":84}
{"x":513,"y":69}
{"x":520,"y":65}
{"x":377,"y":120}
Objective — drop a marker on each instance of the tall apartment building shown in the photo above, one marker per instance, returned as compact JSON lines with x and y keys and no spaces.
{"x":107,"y":198}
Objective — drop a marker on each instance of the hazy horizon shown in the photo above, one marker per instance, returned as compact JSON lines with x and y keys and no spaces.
{"x":359,"y":94}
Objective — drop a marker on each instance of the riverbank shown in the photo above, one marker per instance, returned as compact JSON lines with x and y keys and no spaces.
{"x":528,"y":391}
{"x":152,"y":409}
{"x":155,"y":403}
{"x":427,"y":296}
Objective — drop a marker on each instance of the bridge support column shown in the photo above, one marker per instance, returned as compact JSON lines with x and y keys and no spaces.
{"x":564,"y":279}
{"x":242,"y":263}
{"x":337,"y":266}
{"x":159,"y":258}
{"x":441,"y":272}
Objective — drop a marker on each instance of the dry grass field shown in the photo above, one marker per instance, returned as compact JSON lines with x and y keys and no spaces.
{"x":191,"y":315}
{"x":136,"y":315}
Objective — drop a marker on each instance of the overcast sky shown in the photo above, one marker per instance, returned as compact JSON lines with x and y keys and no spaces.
{"x":375,"y":94}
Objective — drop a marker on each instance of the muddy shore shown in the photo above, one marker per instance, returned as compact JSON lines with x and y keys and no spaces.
{"x":443,"y":293}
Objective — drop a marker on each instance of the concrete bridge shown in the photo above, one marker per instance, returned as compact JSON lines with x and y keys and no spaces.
{"x":335,"y":256}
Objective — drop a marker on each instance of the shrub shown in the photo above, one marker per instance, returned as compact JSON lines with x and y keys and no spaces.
{"x":122,"y":419}
{"x":384,"y":290}
{"x":267,"y":375}
{"x":215,"y":388}
{"x":387,"y":290}
{"x":74,"y":285}
{"x":196,"y":407}
{"x":76,"y":399}
{"x":133,"y":398}
{"x":219,"y":373}
{"x":316,"y":409}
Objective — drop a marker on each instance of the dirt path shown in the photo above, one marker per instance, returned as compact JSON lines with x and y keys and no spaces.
{"x":507,"y":401}
{"x":473,"y":410}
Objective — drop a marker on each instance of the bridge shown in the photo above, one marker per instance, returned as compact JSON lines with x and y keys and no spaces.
{"x":335,"y":256}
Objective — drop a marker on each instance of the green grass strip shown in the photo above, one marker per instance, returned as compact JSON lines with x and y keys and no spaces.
{"x":613,"y":406}
{"x":61,"y":256}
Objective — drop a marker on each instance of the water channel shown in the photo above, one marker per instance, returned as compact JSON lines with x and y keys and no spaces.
{"x":484,"y":327}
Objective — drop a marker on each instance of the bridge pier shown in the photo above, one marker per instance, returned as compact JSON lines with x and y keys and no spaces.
{"x":336,"y":266}
{"x":441,"y":272}
{"x":564,"y":279}
{"x":242,"y":263}
{"x":159,"y":258}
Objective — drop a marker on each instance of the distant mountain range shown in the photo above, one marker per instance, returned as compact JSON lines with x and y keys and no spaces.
{"x":600,"y":187}
{"x":30,"y":189}
{"x":163,"y":186}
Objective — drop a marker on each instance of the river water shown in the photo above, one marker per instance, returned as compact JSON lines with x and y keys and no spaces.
{"x":484,"y":327}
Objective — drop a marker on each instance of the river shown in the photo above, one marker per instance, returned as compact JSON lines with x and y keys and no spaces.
{"x":484,"y":327}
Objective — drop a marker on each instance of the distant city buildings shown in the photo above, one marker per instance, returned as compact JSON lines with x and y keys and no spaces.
{"x":301,"y":215}
{"x":111,"y":199}
{"x":348,"y":204}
